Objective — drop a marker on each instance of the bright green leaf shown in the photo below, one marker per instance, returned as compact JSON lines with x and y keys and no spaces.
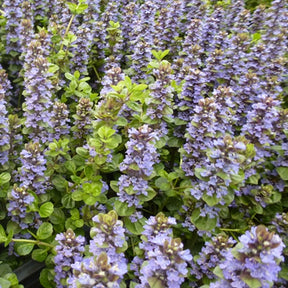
{"x":283,"y":172}
{"x":45,"y":230}
{"x":46,"y":209}
{"x":122,"y":208}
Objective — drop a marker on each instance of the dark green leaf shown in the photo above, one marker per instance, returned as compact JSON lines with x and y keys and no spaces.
{"x":59,"y":182}
{"x":67,"y":201}
{"x":4,"y":269}
{"x":39,"y":255}
{"x":58,"y":216}
{"x":163,"y":184}
{"x":23,"y":248}
{"x":46,"y":278}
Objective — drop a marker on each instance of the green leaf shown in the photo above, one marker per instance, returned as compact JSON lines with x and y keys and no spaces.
{"x":59,"y":182}
{"x":39,"y":255}
{"x":254,"y":179}
{"x":82,"y":152}
{"x":163,"y":184}
{"x":218,"y":272}
{"x":23,"y":248}
{"x":46,"y":278}
{"x":198,"y":172}
{"x":238,"y":178}
{"x":45,"y":230}
{"x":151,"y":194}
{"x":5,"y":269}
{"x":57,"y":217}
{"x":134,"y":106}
{"x":46,"y":209}
{"x":105,"y":132}
{"x":67,"y":201}
{"x":4,"y":178}
{"x":121,"y":121}
{"x":114,"y":186}
{"x":135,"y":228}
{"x":3,"y":236}
{"x":283,"y":172}
{"x":202,"y":223}
{"x":4,"y":283}
{"x":156,"y":282}
{"x":211,"y":200}
{"x":122,"y":208}
{"x":53,"y":68}
{"x":251,"y":282}
{"x":12,"y":277}
{"x":70,"y":166}
{"x":89,"y":199}
{"x":9,"y":238}
{"x":161,"y":142}
{"x":284,"y":272}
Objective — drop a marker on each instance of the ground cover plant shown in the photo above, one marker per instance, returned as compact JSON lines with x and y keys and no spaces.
{"x":144,"y":143}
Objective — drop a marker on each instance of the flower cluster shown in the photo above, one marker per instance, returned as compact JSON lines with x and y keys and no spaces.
{"x":256,"y":258}
{"x":141,"y":155}
{"x":38,"y":93}
{"x":161,"y":95}
{"x":19,"y":201}
{"x":70,"y":249}
{"x":212,"y":117}
{"x":13,"y":13}
{"x":4,"y":128}
{"x":33,"y":168}
{"x":60,"y":120}
{"x":82,"y":124}
{"x":108,"y":265}
{"x":212,"y":254}
{"x":165,"y":261}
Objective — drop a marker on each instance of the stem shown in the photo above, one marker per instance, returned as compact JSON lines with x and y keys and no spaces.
{"x":97,"y":75}
{"x":67,"y":30}
{"x":33,"y":242}
{"x":231,"y":230}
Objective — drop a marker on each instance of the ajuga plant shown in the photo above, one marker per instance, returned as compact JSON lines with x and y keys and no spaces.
{"x":135,"y":134}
